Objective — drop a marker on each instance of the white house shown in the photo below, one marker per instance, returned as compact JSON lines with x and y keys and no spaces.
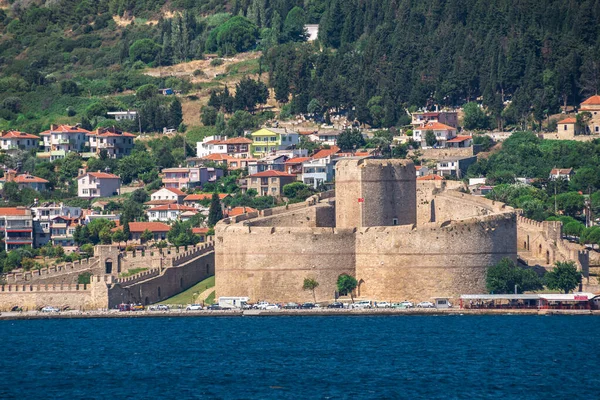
{"x":168,"y":212}
{"x":456,"y":166}
{"x":116,"y":143}
{"x":120,"y":115}
{"x":15,"y":140}
{"x":561,"y":173}
{"x":64,"y":137}
{"x":211,"y":145}
{"x":317,"y":172}
{"x":98,"y":184}
{"x":442,"y":133}
{"x":166,"y":196}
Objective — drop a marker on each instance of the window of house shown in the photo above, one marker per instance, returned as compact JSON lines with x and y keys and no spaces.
{"x":565,"y":127}
{"x":273,"y":180}
{"x":597,"y":129}
{"x":85,"y":191}
{"x":162,"y":214}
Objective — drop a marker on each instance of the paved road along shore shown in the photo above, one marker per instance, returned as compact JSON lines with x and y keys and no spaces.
{"x":73,"y":314}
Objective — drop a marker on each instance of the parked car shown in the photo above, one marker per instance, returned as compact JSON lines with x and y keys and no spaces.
{"x":261,"y":305}
{"x":425,"y":304}
{"x":291,"y":306}
{"x":407,"y":304}
{"x":194,"y":307}
{"x":398,"y":305}
{"x":336,"y":304}
{"x":271,"y":307}
{"x":361,"y":304}
{"x":137,"y":307}
{"x":383,"y":304}
{"x":308,"y":306}
{"x":214,"y":307}
{"x":49,"y":309}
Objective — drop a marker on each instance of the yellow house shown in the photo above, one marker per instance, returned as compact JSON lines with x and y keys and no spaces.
{"x":269,"y":140}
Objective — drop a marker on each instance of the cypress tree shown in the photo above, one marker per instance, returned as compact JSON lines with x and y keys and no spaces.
{"x":215,"y":213}
{"x":175,"y":113}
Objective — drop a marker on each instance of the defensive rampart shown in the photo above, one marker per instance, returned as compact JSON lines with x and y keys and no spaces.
{"x":543,"y":243}
{"x":56,"y":274}
{"x":271,"y":263}
{"x":35,"y":296}
{"x":447,"y":259}
{"x":158,"y":284}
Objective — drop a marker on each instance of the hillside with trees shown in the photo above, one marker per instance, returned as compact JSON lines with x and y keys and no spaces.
{"x":68,"y":60}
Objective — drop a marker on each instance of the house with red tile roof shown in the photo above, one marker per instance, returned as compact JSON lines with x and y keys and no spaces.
{"x":24,"y":181}
{"x":166,"y":196}
{"x":16,"y":223}
{"x":294,"y":165}
{"x":267,"y":183}
{"x":568,"y":127}
{"x":460,"y":141}
{"x":168,"y":212}
{"x":561,"y":173}
{"x":235,"y":211}
{"x":15,"y":140}
{"x":449,"y":118}
{"x":202,"y":233}
{"x":64,"y":138}
{"x":98,"y":184}
{"x":592,"y":105}
{"x":326,"y":152}
{"x":196,"y":199}
{"x":116,"y":142}
{"x":442,"y":133}
{"x":159,"y":230}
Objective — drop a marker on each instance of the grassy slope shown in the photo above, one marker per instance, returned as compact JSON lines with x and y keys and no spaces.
{"x":187,"y":296}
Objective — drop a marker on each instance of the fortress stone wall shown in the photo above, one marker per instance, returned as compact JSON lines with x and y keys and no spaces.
{"x":442,"y":245}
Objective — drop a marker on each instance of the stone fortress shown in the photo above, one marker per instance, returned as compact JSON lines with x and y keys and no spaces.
{"x":401,"y":239}
{"x":168,"y":272}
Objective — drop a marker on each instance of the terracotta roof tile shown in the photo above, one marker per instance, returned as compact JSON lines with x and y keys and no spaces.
{"x":326,"y":152}
{"x":239,"y":211}
{"x":592,"y":101}
{"x":436,"y":126}
{"x":13,"y":211}
{"x":19,"y":135}
{"x":568,"y":121}
{"x":203,"y":196}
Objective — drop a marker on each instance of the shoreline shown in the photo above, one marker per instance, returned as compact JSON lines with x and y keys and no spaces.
{"x":36,"y":315}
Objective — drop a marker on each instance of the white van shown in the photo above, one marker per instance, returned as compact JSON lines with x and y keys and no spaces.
{"x":362,"y":304}
{"x":233,"y":302}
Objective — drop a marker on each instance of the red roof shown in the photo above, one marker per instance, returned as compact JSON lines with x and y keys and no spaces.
{"x":24,"y":178}
{"x":203,"y":196}
{"x":100,"y":175}
{"x":592,"y":101}
{"x":430,"y":178}
{"x":237,"y":140}
{"x":297,"y":160}
{"x":13,"y":211}
{"x":239,"y":211}
{"x":19,"y":135}
{"x":568,"y":121}
{"x":459,"y":139}
{"x":65,"y":129}
{"x":110,"y":132}
{"x":219,"y":157}
{"x":176,"y":191}
{"x":326,"y":152}
{"x":139,"y":227}
{"x":561,"y":171}
{"x":271,"y":174}
{"x":177,"y":207}
{"x":436,"y":126}
{"x":200,"y":231}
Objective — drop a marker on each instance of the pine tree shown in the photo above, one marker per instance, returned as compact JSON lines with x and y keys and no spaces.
{"x":126,"y":230}
{"x":220,"y":123}
{"x":215,"y":213}
{"x":175,"y":114}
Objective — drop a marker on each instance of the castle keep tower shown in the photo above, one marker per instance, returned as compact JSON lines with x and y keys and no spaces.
{"x":372,"y":192}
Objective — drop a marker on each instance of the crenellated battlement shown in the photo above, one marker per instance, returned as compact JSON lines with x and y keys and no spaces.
{"x":141,"y":276}
{"x":45,"y":288}
{"x":51,"y":271}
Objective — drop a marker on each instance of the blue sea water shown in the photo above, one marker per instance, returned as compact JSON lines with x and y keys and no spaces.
{"x":429,"y":357}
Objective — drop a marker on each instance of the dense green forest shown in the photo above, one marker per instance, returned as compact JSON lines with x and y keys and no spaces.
{"x":374,"y":58}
